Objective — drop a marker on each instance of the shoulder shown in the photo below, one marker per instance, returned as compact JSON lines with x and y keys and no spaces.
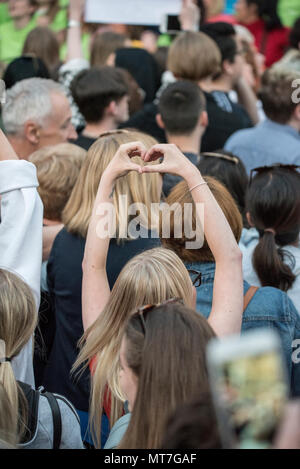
{"x":241,"y":137}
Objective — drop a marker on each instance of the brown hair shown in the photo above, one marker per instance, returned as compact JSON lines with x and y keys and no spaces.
{"x":105,"y":44}
{"x":58,"y":168}
{"x":276,"y":94}
{"x":53,"y":8}
{"x":169,"y":359}
{"x":41,"y":42}
{"x":181,"y":195}
{"x":194,"y":56}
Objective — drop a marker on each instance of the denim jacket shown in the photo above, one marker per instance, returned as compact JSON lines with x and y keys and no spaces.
{"x":269,"y":308}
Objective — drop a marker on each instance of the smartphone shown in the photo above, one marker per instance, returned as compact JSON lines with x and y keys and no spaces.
{"x":170,"y":24}
{"x":249,"y":387}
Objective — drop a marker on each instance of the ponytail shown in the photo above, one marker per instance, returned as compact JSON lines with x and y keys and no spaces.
{"x":268,"y":262}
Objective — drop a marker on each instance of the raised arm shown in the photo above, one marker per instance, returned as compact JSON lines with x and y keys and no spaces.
{"x":20,"y":234}
{"x":95,"y":287}
{"x":227,"y":307}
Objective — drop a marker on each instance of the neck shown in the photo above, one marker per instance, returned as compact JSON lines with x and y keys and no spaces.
{"x":251,"y":18}
{"x":21,"y":23}
{"x":22,"y":147}
{"x":187,"y":143}
{"x":294,"y":123}
{"x":221,"y":84}
{"x":93,"y":130}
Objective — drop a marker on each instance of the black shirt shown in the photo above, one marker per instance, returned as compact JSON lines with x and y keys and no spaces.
{"x":64,"y":281}
{"x":84,"y":142}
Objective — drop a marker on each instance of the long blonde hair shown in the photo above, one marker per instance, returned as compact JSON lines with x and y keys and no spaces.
{"x":153,"y":276}
{"x":144,"y":189}
{"x":18,"y":319}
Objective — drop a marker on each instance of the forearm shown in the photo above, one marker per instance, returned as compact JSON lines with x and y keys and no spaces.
{"x":247,"y":99}
{"x":74,"y":48}
{"x":95,"y":287}
{"x":6,"y":150}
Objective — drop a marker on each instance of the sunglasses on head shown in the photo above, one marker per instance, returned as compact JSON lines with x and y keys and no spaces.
{"x":264,"y":169}
{"x":232,"y":159}
{"x":143,"y":311}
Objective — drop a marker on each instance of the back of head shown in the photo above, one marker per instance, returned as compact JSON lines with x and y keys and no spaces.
{"x":275,"y":94}
{"x":144,"y":189}
{"x":175,"y":337}
{"x":180,"y":198}
{"x":193,"y":426}
{"x":95,"y":88}
{"x":229,"y":170}
{"x":194,"y":56}
{"x":104,"y":44}
{"x":273,"y":202}
{"x":150,"y":277}
{"x":18,"y":319}
{"x":267,"y":10}
{"x":58,"y":168}
{"x":42,"y":42}
{"x":224,"y":36}
{"x":180,"y":106}
{"x":28,"y":100}
{"x":24,"y":67}
{"x":147,"y":75}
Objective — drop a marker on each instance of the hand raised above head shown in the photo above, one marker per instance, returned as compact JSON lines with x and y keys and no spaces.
{"x":173,"y":160}
{"x":121,"y":163}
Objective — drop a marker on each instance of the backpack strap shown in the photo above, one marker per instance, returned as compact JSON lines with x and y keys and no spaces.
{"x":57,"y":426}
{"x":32,"y":397}
{"x":249,"y":295}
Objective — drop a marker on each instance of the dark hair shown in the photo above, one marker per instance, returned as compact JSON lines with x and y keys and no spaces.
{"x":24,"y":67}
{"x":175,"y":337}
{"x":180,"y":106}
{"x":193,"y":426}
{"x":275,"y":94}
{"x":273,"y":201}
{"x":224,"y":36}
{"x":295,"y":35}
{"x":94,"y":89}
{"x":267,"y":10}
{"x":231,"y":172}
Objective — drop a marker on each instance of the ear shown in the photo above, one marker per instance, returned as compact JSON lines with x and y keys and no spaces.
{"x":32,"y":132}
{"x":203,"y":119}
{"x":111,"y":109}
{"x":159,"y":121}
{"x":227,"y":67}
{"x":249,"y":219}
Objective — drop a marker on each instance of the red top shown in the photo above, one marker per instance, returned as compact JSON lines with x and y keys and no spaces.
{"x":272,"y":44}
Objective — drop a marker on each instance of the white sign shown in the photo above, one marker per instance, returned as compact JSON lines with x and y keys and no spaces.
{"x":144,"y":12}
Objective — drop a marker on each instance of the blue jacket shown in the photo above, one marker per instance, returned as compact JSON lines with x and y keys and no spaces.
{"x":269,"y":308}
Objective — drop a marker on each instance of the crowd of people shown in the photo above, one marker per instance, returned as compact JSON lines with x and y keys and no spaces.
{"x":106,"y":315}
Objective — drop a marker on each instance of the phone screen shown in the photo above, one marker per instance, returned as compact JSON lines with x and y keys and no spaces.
{"x":250,"y":394}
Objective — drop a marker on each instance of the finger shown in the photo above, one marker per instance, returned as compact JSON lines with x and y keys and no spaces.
{"x":154,"y":168}
{"x":134,"y":149}
{"x":153,"y":154}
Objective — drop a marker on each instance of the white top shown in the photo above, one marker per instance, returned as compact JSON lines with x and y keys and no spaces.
{"x":248,"y":242}
{"x":21,"y":239}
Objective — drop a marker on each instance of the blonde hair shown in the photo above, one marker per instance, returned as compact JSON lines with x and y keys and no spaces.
{"x":181,"y":195}
{"x":194,"y":56}
{"x":58,"y":167}
{"x":153,"y":276}
{"x":8,"y":421}
{"x":138,"y":188}
{"x":18,"y":319}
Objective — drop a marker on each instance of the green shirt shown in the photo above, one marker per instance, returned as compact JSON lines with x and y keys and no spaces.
{"x":4,"y":13}
{"x":12,"y":40}
{"x":85,"y":44}
{"x":288,"y":11}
